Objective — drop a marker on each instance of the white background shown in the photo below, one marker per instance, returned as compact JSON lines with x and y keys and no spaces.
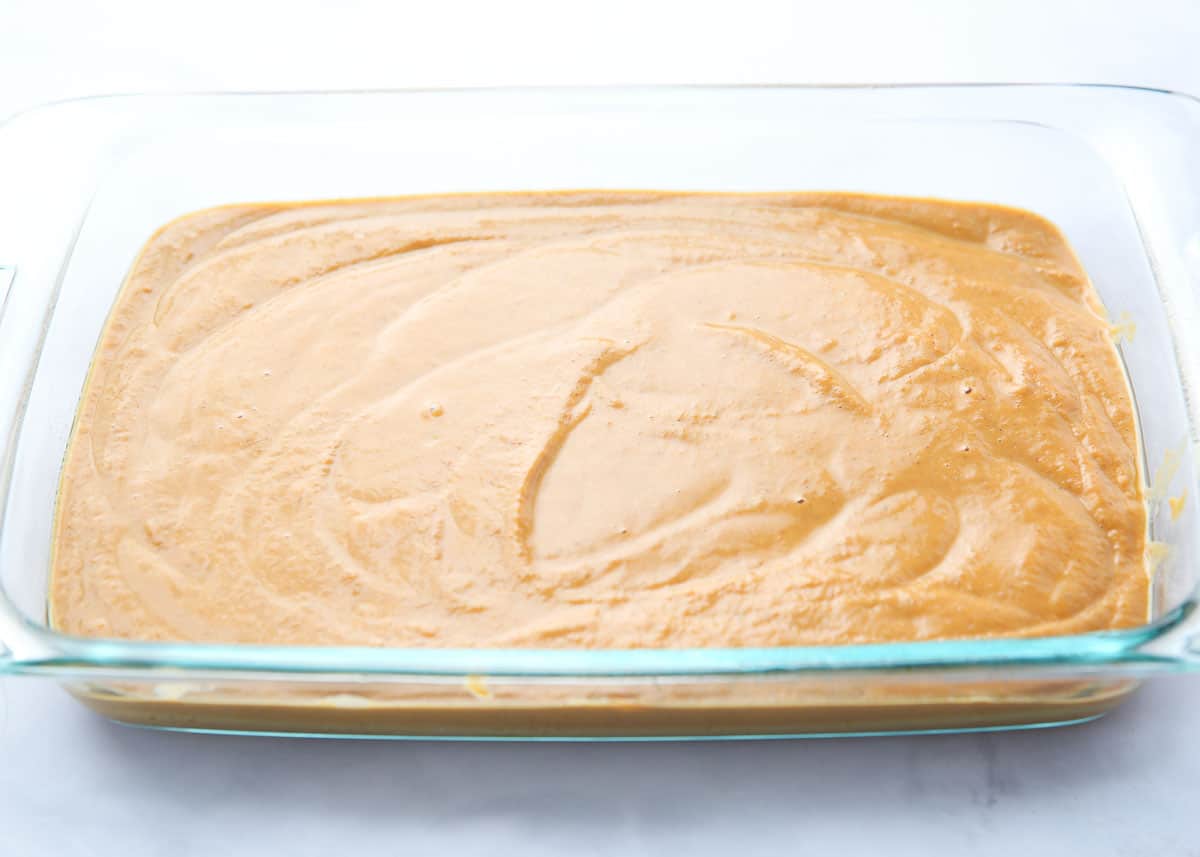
{"x":72,"y":784}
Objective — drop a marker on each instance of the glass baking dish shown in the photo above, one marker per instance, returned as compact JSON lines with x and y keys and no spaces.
{"x":86,"y":182}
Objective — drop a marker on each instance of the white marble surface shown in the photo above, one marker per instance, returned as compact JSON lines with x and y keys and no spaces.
{"x":1129,"y":784}
{"x":71,"y":784}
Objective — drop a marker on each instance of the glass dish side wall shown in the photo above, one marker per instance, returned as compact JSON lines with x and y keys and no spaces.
{"x":615,"y":707}
{"x":1108,"y":165}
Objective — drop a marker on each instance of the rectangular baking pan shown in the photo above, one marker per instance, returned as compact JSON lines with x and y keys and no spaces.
{"x":84,"y":183}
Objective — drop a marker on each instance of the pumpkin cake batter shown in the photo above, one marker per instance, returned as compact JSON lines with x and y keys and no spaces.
{"x":603,"y":419}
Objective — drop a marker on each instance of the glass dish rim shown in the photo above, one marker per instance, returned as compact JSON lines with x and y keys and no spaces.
{"x":585,"y":89}
{"x":27,"y":647}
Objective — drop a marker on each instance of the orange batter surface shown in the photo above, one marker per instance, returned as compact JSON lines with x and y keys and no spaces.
{"x":603,"y":419}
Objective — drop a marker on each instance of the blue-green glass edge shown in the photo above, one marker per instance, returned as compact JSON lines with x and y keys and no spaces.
{"x":67,"y":654}
{"x":611,"y":739}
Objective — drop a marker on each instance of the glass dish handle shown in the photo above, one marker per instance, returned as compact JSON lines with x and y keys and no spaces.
{"x":8,"y":274}
{"x":1177,"y":648}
